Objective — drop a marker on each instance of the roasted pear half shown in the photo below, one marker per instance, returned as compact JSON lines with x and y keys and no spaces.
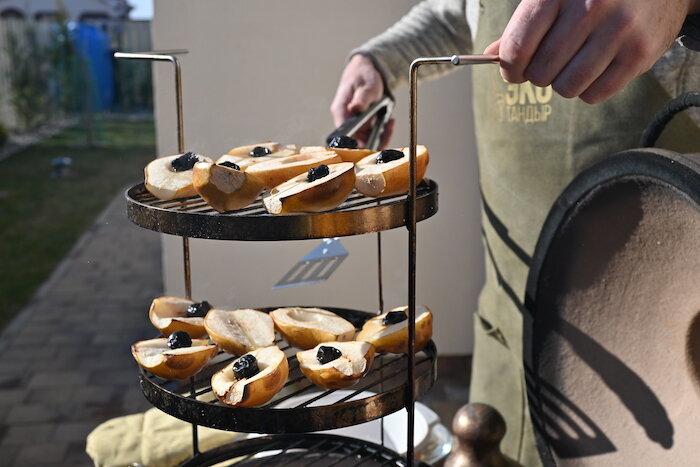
{"x":156,"y":356}
{"x":305,"y":328}
{"x":170,"y":314}
{"x":276,"y":171}
{"x":312,"y":193}
{"x":334,"y":365}
{"x":170,"y":177}
{"x":252,"y":379}
{"x":386,"y":173}
{"x":389,"y":331}
{"x":240,"y":331}
{"x":225,"y":187}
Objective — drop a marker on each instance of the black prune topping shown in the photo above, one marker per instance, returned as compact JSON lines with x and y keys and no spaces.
{"x":179,"y":339}
{"x":184,"y":162}
{"x":343,"y":141}
{"x":394,"y":317}
{"x":317,"y":172}
{"x":245,"y":367}
{"x":327,"y":354}
{"x":198,"y":310}
{"x":389,"y":155}
{"x":230,"y":165}
{"x":259,"y":151}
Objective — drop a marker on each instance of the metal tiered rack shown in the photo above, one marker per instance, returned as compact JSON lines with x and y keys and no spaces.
{"x":393,"y":384}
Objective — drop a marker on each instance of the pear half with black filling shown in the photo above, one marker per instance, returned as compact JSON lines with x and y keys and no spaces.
{"x":240,"y":331}
{"x":253,"y":379}
{"x":260,"y":152}
{"x":225,"y":187}
{"x":335,"y":365}
{"x":156,"y":356}
{"x":305,"y":328}
{"x":170,"y":177}
{"x":278,"y":170}
{"x":389,"y":331}
{"x":321,"y":189}
{"x":243,"y":162}
{"x":386,"y":173}
{"x":170,"y":314}
{"x":346,"y":154}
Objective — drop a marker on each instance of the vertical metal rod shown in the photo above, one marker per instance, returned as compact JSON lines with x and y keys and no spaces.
{"x":380,"y":285}
{"x":195,"y":437}
{"x":181,"y":150}
{"x":186,"y":266}
{"x":170,"y":57}
{"x":411,"y":226}
{"x":380,"y":290}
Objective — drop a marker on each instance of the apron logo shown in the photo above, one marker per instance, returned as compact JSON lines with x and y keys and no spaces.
{"x":524,"y":103}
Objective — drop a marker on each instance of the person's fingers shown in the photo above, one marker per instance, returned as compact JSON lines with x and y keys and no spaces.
{"x":562,"y":43}
{"x":339,"y":105}
{"x":493,"y":47}
{"x":521,"y":38}
{"x":614,"y":78}
{"x":591,"y":61}
{"x":362,"y":98}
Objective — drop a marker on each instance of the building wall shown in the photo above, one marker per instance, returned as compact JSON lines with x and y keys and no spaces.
{"x":268,"y":70}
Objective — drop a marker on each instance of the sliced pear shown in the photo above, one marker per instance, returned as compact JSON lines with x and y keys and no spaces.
{"x":305,"y":328}
{"x":278,"y":170}
{"x":353,"y":363}
{"x":225,"y":188}
{"x":389,"y":178}
{"x":245,"y":150}
{"x":346,"y":154}
{"x":257,"y":389}
{"x":155,"y":356}
{"x":240,"y":331}
{"x":241,"y":161}
{"x":165,"y":183}
{"x":169,"y":314}
{"x":323,"y":194}
{"x":275,"y":150}
{"x":394,"y":337}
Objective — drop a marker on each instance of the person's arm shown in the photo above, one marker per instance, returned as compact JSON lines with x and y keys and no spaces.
{"x":433,"y":27}
{"x":588,"y":48}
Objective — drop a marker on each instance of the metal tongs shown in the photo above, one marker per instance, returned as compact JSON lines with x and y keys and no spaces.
{"x":382,"y":109}
{"x":322,"y":261}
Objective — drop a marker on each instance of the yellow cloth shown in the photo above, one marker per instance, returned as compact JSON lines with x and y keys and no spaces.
{"x":152,"y":438}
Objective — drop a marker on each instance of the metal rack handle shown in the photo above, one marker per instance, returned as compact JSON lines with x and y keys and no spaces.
{"x":456,"y":60}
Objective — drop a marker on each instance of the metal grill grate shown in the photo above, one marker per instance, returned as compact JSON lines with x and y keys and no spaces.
{"x":310,"y":450}
{"x":193,"y":217}
{"x":300,"y":406}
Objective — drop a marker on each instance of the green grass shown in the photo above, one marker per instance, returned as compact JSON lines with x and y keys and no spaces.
{"x":42,"y":216}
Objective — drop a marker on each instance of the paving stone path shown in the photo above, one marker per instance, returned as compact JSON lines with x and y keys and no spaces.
{"x":66,"y":365}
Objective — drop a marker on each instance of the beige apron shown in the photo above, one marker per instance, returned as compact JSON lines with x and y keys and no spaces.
{"x":531,"y":144}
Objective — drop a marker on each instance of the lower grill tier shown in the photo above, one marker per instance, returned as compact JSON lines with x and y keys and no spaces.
{"x":301,"y":406}
{"x":315,"y":450}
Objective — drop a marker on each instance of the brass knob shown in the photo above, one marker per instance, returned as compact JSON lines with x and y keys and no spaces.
{"x":478,"y":430}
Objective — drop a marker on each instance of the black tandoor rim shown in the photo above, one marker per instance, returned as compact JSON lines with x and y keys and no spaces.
{"x":680,"y":171}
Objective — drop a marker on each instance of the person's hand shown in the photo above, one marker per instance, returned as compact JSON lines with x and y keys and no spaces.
{"x":360,"y":86}
{"x":587,"y":48}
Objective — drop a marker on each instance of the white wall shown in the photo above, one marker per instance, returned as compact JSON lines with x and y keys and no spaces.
{"x":267,"y":70}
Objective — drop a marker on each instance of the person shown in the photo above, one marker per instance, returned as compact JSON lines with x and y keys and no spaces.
{"x":617,"y":57}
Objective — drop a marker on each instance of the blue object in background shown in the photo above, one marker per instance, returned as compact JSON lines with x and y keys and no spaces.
{"x":94,"y":47}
